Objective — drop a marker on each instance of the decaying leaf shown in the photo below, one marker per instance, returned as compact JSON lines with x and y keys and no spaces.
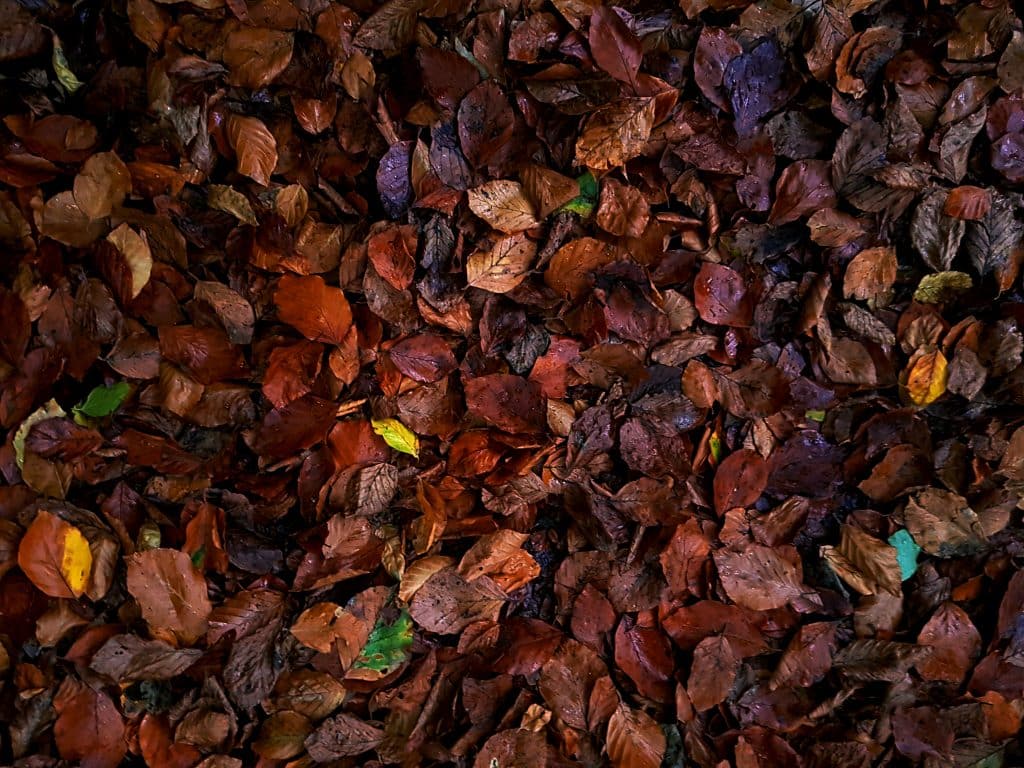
{"x":424,"y":382}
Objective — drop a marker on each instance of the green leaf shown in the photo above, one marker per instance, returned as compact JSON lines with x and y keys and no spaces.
{"x":103,"y":401}
{"x":583,"y":204}
{"x":906,"y":552}
{"x":387,"y":647}
{"x":62,"y":70}
{"x":397,"y":435}
{"x":818,"y":416}
{"x":715,"y":444}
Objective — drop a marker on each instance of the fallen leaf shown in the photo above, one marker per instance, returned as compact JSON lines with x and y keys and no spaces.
{"x":503,"y":205}
{"x":171,"y":593}
{"x":55,"y":556}
{"x":255,"y":147}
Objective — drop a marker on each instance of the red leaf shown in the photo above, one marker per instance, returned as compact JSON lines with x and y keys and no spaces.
{"x":614,"y":46}
{"x":721,"y":296}
{"x":507,"y":402}
{"x":739,"y":480}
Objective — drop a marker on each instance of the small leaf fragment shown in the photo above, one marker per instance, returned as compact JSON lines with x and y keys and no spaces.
{"x":906,"y":552}
{"x":398,"y":436}
{"x":583,"y":204}
{"x":62,"y":69}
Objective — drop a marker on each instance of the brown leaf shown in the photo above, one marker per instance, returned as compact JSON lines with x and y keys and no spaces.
{"x":871,"y":274}
{"x":761,"y":578}
{"x":503,"y":205}
{"x":807,"y":658}
{"x":715,"y":49}
{"x":721,"y":297}
{"x":955,"y":643}
{"x":391,"y":27}
{"x":867,"y":564}
{"x":424,"y":358}
{"x":714,"y":669}
{"x":282,"y":736}
{"x":101,"y":185}
{"x":507,"y":402}
{"x":233,"y":311}
{"x":502,"y":267}
{"x":447,"y":603}
{"x":739,"y":480}
{"x":255,"y":147}
{"x":55,"y":556}
{"x":634,"y":740}
{"x":548,"y":190}
{"x":622,"y":210}
{"x":126,"y":658}
{"x":943,"y":523}
{"x":342,"y":736}
{"x":170,"y":592}
{"x":615,"y":134}
{"x":256,"y":56}
{"x":614,"y":46}
{"x":569,"y":272}
{"x":804,"y":187}
{"x":89,"y":729}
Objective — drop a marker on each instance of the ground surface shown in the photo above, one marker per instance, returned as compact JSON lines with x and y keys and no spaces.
{"x":511,"y":385}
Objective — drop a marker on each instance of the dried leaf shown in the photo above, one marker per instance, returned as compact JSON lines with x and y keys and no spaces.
{"x":503,"y":205}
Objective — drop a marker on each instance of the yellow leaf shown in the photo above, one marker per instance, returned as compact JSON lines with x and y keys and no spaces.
{"x":62,"y":70}
{"x":926,"y":378}
{"x":76,"y":561}
{"x":397,"y":435}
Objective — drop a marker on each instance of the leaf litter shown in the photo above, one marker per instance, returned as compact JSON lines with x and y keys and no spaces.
{"x":436,"y":383}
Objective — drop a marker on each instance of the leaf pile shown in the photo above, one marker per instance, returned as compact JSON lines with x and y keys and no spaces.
{"x":432,"y":382}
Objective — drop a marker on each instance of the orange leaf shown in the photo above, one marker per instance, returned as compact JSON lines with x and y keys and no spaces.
{"x":318,"y":311}
{"x":55,"y":556}
{"x":255,"y":146}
